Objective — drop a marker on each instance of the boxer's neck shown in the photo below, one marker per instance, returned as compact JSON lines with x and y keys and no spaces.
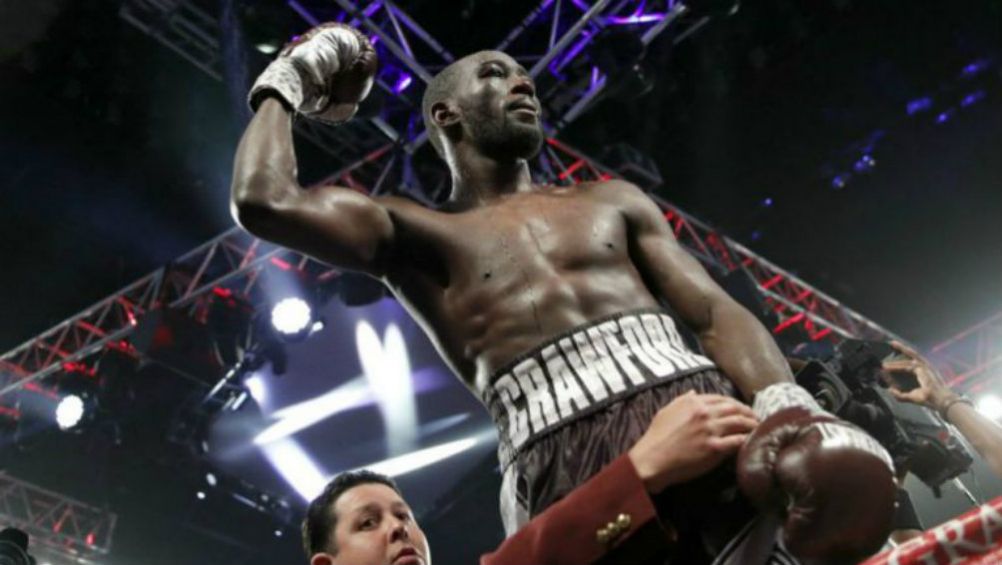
{"x":478,"y":179}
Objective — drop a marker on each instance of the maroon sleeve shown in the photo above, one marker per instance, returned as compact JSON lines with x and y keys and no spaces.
{"x":568,"y":532}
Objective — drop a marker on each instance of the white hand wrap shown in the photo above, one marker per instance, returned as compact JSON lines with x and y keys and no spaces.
{"x":778,"y":396}
{"x":304,"y":72}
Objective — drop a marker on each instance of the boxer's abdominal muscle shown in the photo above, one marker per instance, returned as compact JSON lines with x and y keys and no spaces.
{"x":493,"y":282}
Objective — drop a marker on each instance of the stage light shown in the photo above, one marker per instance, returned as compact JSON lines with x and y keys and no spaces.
{"x":635,"y":19}
{"x":396,"y":466}
{"x":864,"y":164}
{"x":292,"y":318}
{"x":211,"y":479}
{"x":975,"y":67}
{"x":387,"y":367}
{"x":291,"y":419}
{"x":991,"y":406}
{"x":257,"y":389}
{"x":70,"y":411}
{"x":402,"y":83}
{"x":268,"y":48}
{"x":972,"y":98}
{"x":200,"y":495}
{"x":296,"y":467}
{"x":919,"y":105}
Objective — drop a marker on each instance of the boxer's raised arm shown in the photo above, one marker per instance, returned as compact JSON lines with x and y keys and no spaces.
{"x":337,"y":225}
{"x":730,"y":335}
{"x":322,"y":75}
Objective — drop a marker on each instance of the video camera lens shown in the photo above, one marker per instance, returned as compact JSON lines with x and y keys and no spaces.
{"x":14,"y":548}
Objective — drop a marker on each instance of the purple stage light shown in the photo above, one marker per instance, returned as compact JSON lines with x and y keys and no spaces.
{"x":919,"y":105}
{"x":594,"y":77}
{"x":402,"y":83}
{"x":945,"y":116}
{"x":582,"y":5}
{"x":635,"y":19}
{"x":558,"y":63}
{"x":767,"y":202}
{"x":864,"y":164}
{"x":371,"y":9}
{"x":975,"y":67}
{"x":972,"y":98}
{"x":756,"y":235}
{"x":839,"y":182}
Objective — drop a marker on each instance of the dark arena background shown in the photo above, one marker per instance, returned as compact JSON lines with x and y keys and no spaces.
{"x":836,"y":164}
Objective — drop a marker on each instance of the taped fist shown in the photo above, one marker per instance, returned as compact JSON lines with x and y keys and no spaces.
{"x":831,"y":484}
{"x":323,"y":74}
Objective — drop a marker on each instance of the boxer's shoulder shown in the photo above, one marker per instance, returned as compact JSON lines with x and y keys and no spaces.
{"x":625,"y":196}
{"x":613,"y":191}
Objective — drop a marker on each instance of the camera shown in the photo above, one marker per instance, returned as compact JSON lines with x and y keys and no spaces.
{"x":851,"y":384}
{"x":14,"y":548}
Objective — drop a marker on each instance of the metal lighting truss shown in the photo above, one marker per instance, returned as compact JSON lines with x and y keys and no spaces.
{"x":556,"y":40}
{"x":190,"y":30}
{"x":235,"y":260}
{"x":972,"y":359}
{"x":56,"y":524}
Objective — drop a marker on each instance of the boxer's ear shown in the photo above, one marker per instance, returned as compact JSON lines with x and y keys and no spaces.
{"x":444,"y":114}
{"x":322,"y":559}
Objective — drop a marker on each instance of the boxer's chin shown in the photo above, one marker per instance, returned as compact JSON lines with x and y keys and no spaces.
{"x":526,"y":140}
{"x":513,"y":140}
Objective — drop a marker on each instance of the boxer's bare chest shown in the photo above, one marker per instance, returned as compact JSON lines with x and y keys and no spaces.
{"x":491,"y":282}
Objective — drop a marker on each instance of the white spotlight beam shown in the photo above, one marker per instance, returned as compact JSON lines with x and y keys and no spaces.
{"x":296,"y":467}
{"x":292,"y":419}
{"x":387,"y":366}
{"x":403,"y":464}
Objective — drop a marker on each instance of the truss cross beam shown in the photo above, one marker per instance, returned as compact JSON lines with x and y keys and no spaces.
{"x":972,"y":358}
{"x":54,"y":521}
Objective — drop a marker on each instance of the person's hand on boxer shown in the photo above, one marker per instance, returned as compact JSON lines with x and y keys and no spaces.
{"x":688,"y":437}
{"x":323,"y":74}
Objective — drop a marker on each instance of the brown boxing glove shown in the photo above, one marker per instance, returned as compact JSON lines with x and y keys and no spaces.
{"x":831,"y":484}
{"x":323,"y":74}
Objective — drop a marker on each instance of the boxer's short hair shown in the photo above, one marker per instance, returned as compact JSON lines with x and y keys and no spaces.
{"x":320,"y":521}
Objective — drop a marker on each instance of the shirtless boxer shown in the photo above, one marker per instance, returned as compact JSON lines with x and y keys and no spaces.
{"x":546,"y":301}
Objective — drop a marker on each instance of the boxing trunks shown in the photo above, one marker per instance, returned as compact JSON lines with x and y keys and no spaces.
{"x":579,"y":400}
